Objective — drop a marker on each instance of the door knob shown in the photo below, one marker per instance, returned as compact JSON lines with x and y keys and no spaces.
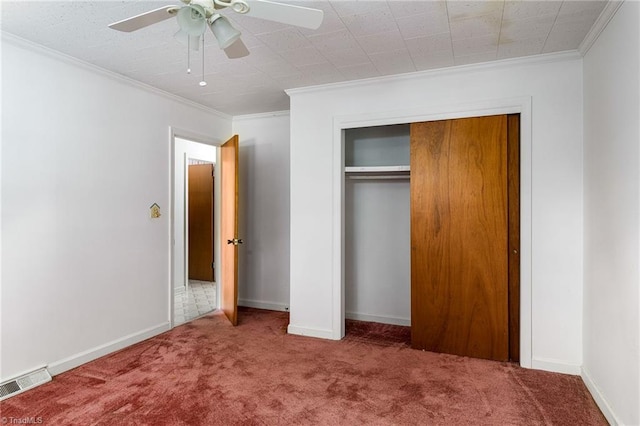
{"x":235,"y":241}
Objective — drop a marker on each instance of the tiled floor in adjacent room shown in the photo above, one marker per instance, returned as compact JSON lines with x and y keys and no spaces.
{"x":199,"y":299}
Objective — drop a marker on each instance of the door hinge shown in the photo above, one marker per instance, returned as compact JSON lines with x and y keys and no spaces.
{"x":213,"y":265}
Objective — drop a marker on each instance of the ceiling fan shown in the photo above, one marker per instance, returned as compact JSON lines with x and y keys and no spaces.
{"x":196,"y":15}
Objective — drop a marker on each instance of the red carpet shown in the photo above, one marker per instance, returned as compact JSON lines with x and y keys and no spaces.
{"x":374,"y":333}
{"x":210,"y":373}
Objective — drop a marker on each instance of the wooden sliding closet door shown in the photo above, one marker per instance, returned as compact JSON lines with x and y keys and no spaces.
{"x":459,"y":234}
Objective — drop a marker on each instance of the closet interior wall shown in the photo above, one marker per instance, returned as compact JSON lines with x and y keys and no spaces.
{"x":377,"y":226}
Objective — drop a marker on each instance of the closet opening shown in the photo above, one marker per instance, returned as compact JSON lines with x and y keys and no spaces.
{"x":431,"y":235}
{"x":377,"y":266}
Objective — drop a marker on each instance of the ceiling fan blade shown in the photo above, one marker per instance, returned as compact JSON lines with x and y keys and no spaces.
{"x":236,"y":50}
{"x":285,"y":13}
{"x":145,"y":19}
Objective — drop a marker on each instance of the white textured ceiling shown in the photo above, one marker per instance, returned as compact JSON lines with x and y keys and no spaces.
{"x":357,"y":39}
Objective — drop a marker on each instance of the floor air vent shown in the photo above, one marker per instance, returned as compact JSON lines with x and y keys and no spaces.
{"x":23,"y":383}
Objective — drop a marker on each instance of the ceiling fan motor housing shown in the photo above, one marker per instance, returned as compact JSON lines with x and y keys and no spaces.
{"x":208,"y":6}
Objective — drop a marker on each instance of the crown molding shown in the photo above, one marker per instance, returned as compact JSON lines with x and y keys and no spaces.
{"x":459,"y":69}
{"x":259,"y":115}
{"x":57,"y":55}
{"x":603,"y":19}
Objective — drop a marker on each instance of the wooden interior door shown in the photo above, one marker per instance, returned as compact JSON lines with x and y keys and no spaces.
{"x":229,"y":228}
{"x":200,"y":222}
{"x":459,"y":234}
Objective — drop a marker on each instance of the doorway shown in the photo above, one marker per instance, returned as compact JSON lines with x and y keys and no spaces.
{"x":196,"y":242}
{"x":224,"y":157}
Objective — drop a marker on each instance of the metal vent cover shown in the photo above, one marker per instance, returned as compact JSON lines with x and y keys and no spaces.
{"x":9,"y":388}
{"x":25,"y":382}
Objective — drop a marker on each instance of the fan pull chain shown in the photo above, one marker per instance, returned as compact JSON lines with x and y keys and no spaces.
{"x":203,"y":83}
{"x":188,"y":54}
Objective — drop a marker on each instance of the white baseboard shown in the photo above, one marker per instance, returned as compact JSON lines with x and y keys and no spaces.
{"x":555,"y":366}
{"x":310,"y":332}
{"x":97,"y":352}
{"x":378,"y":318}
{"x":600,"y":400}
{"x":258,"y":304}
{"x":179,"y":290}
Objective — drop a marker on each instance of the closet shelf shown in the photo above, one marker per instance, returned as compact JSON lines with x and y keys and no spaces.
{"x":376,"y":169}
{"x":377,"y":172}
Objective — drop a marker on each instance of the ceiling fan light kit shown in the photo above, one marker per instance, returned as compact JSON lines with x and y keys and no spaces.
{"x":223,"y":31}
{"x":196,"y":15}
{"x":191,"y":20}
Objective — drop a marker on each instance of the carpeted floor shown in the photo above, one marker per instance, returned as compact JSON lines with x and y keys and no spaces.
{"x":209,"y":373}
{"x":375,"y":333}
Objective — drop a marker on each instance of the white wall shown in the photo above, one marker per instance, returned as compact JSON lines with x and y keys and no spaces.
{"x":378,"y":251}
{"x":184,"y":150}
{"x":612,"y":217}
{"x":84,"y":155}
{"x":264,"y":210}
{"x":554,"y":85}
